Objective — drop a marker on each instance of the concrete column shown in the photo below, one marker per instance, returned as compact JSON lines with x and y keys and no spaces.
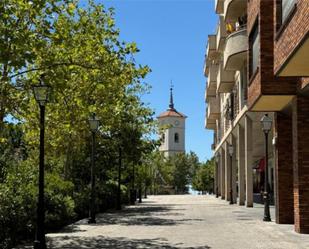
{"x":222,"y":169}
{"x":234,"y":169}
{"x":227,"y":172}
{"x":215,"y":177}
{"x":300,"y":124}
{"x":248,"y":161}
{"x":218,"y":165}
{"x":241,"y":164}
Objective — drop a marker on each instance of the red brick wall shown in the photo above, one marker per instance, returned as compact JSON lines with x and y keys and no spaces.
{"x":292,"y":34}
{"x":253,"y":9}
{"x":301,"y":163}
{"x":254,"y":85}
{"x":269,"y":84}
{"x":284,"y":169}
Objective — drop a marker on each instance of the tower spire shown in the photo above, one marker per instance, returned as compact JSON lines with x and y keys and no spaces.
{"x":171,"y":106}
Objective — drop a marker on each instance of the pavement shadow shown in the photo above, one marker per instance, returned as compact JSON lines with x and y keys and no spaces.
{"x":146,"y":215}
{"x":101,"y":242}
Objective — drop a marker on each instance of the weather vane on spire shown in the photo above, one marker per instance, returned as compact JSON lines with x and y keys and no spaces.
{"x":171,"y":106}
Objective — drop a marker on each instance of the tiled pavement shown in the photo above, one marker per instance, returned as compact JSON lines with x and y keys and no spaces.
{"x":182,"y":221}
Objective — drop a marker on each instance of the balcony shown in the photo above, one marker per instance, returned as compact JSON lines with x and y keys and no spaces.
{"x":235,"y":52}
{"x":212,"y":81}
{"x":206,"y":66}
{"x":234,"y":8}
{"x":210,"y":124}
{"x":225,"y":80}
{"x":213,"y":109}
{"x":219,"y":6}
{"x":221,"y":34}
{"x":211,"y":50}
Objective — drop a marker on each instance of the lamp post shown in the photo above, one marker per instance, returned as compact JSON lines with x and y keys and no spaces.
{"x":231,"y":151}
{"x":133,"y":193}
{"x":133,"y":141}
{"x":217,"y":176}
{"x":119,"y":178}
{"x":94,"y":125}
{"x":266,"y":127}
{"x":41,"y":95}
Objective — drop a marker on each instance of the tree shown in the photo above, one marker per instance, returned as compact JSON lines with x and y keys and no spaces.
{"x":77,"y":51}
{"x":203,"y":180}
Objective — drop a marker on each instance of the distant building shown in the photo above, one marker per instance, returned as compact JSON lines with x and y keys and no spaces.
{"x":173,"y":137}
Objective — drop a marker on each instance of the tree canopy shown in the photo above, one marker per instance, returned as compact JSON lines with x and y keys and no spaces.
{"x":78,"y":53}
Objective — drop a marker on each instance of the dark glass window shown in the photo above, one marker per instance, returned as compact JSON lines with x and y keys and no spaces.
{"x":254,"y":49}
{"x":163,"y":138}
{"x":176,"y":138}
{"x":286,"y":8}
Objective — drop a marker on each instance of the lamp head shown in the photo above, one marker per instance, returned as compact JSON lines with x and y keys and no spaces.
{"x":94,"y":123}
{"x":41,"y":92}
{"x":266,"y":123}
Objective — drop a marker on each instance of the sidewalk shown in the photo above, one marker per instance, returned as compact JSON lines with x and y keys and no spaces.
{"x":180,"y":222}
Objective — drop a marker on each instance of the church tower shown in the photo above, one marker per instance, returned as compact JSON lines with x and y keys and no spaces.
{"x":173,"y":137}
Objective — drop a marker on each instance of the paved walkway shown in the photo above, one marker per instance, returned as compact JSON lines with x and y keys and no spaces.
{"x":181,"y":222}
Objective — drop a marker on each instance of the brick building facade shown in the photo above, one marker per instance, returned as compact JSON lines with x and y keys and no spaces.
{"x":260,"y":59}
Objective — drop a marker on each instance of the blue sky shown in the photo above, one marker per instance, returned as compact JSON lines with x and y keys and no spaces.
{"x":172,"y":36}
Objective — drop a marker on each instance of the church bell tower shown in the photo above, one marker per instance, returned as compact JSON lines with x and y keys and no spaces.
{"x":174,"y":127}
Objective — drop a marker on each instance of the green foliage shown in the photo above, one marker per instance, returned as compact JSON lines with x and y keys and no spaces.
{"x":78,"y":52}
{"x":203,"y":180}
{"x":173,"y":174}
{"x":17,"y":203}
{"x":59,"y":203}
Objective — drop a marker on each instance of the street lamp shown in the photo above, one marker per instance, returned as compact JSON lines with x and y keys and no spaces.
{"x":41,"y":95}
{"x":119,"y":177}
{"x":231,"y":151}
{"x":94,"y":125}
{"x":133,"y":141}
{"x":266,"y":127}
{"x":217,"y":175}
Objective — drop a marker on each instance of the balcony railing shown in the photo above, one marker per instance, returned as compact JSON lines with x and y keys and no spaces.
{"x":213,"y":108}
{"x":209,"y":123}
{"x":221,"y":33}
{"x":225,"y":79}
{"x":211,"y":51}
{"x":236,"y":47}
{"x":219,"y":6}
{"x":212,"y":81}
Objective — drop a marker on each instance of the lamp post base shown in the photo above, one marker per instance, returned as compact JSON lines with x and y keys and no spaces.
{"x":38,"y":245}
{"x":92,"y":221}
{"x":266,"y":208}
{"x":267,"y":219}
{"x":231,"y":197}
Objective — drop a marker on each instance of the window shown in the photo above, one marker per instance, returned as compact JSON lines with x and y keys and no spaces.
{"x":243,"y":86}
{"x":163,"y":138}
{"x":254,"y":49}
{"x":176,"y":138}
{"x":286,"y":8}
